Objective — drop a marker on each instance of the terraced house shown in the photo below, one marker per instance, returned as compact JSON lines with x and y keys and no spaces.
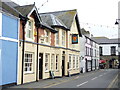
{"x":48,"y":43}
{"x":65,"y":57}
{"x":48,"y":47}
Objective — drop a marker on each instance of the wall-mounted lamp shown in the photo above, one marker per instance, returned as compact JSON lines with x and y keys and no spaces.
{"x":117,"y":21}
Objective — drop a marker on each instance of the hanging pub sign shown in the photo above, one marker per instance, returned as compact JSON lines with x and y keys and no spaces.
{"x":74,"y":38}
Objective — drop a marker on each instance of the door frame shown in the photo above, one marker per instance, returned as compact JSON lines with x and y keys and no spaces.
{"x":40,"y":66}
{"x":63,"y":65}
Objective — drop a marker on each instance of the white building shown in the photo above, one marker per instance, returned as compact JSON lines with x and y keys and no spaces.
{"x":108,"y":51}
{"x":89,"y":52}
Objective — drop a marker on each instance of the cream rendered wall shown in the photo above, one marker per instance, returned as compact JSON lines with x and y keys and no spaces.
{"x":60,"y":37}
{"x":29,"y":77}
{"x":50,"y":51}
{"x":31,"y":48}
{"x":73,"y":30}
{"x":72,"y":70}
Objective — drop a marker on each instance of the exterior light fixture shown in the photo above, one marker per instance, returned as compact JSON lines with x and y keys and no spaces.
{"x":116,"y":23}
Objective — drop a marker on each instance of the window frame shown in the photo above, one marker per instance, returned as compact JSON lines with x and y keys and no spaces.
{"x":57,"y":37}
{"x":74,"y":63}
{"x":25,"y":62}
{"x":30,"y":30}
{"x":77,"y":61}
{"x":47,"y":62}
{"x":52,"y":62}
{"x":113,"y":50}
{"x":70,"y":61}
{"x":47,"y":38}
{"x":101,"y":51}
{"x":63,"y":38}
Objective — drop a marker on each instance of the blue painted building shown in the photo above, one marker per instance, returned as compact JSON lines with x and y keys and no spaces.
{"x":8,"y":48}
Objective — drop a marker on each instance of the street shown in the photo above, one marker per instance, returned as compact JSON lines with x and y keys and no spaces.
{"x":101,"y":79}
{"x":104,"y":78}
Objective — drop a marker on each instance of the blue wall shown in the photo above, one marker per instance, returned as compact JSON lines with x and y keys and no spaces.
{"x":9,"y":62}
{"x":0,"y":63}
{"x":9,"y":50}
{"x":9,"y":26}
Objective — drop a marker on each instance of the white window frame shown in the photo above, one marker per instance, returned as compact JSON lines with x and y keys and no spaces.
{"x":47,"y":62}
{"x":28,"y":62}
{"x":74,"y":62}
{"x":77,"y":61}
{"x":30,"y":29}
{"x":57,"y":38}
{"x":70,"y":61}
{"x":52,"y":62}
{"x":63,"y":37}
{"x":47,"y":39}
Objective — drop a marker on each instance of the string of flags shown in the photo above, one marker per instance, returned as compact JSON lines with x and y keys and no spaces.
{"x":90,"y":25}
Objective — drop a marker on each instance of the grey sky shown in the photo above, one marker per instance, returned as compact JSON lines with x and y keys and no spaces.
{"x":99,"y":14}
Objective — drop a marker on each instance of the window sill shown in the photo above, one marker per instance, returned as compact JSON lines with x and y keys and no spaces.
{"x":69,"y":69}
{"x":57,"y":70}
{"x":28,"y":73}
{"x":29,"y":39}
{"x":47,"y":71}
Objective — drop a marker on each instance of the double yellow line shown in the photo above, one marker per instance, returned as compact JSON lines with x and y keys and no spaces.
{"x":110,"y":85}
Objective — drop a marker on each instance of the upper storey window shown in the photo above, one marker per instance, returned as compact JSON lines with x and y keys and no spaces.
{"x":29,"y":30}
{"x":63,"y":38}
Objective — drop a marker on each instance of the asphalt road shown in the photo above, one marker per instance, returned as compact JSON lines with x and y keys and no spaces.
{"x":100,"y":79}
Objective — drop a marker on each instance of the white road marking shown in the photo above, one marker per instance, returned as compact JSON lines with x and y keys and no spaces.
{"x":94,"y":78}
{"x":104,"y":73}
{"x":82,"y":84}
{"x":100,"y":75}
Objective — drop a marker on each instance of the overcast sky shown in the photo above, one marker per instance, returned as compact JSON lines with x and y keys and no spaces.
{"x":97,"y":16}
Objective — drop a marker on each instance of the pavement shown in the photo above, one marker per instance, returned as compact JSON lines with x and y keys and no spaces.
{"x":70,"y":82}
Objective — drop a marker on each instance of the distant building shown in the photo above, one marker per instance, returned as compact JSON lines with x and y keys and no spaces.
{"x":89,"y":52}
{"x":108,"y":51}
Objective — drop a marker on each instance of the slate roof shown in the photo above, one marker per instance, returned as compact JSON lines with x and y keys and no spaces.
{"x":48,"y":27}
{"x":10,"y":3}
{"x":105,"y":40}
{"x":67,"y":18}
{"x":52,"y":20}
{"x":26,"y":9}
{"x":8,"y":8}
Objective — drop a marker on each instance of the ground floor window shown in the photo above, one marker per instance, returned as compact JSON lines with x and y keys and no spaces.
{"x":52,"y":62}
{"x":46,"y":62}
{"x":73,"y":61}
{"x":70,"y":57}
{"x":77,"y":61}
{"x":28,"y":62}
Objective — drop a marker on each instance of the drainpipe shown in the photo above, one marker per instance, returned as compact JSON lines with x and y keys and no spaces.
{"x":24,"y":20}
{"x":37,"y":56}
{"x":38,"y":25}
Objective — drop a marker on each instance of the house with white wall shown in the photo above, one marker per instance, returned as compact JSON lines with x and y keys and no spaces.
{"x":89,"y":52}
{"x":108,"y":51}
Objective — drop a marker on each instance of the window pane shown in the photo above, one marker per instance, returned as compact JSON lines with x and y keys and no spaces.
{"x":28,"y":62}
